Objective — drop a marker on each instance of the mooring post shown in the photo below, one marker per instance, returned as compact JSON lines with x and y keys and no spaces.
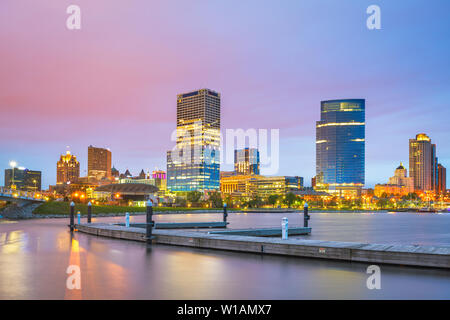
{"x":127,"y":220}
{"x":305,"y":215}
{"x":284,"y":228}
{"x":78,"y":217}
{"x":72,"y":216}
{"x":149,"y":224}
{"x":89,"y":212}
{"x":225,"y":213}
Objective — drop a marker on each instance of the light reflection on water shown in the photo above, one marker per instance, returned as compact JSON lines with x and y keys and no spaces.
{"x":34,"y":256}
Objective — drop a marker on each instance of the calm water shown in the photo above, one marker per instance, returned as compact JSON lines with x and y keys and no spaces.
{"x":35,"y":254}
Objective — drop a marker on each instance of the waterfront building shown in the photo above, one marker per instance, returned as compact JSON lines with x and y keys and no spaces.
{"x":246,"y":161}
{"x":442,"y":179}
{"x":160,"y":178}
{"x":132,"y":194}
{"x":67,"y":168}
{"x":257,"y":185}
{"x":99,"y":163}
{"x":423,"y":163}
{"x":194,"y":164}
{"x":340,"y":146}
{"x":23,"y":179}
{"x":400,"y":184}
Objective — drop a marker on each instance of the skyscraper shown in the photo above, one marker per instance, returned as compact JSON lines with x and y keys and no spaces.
{"x":442,"y":179}
{"x":340,"y":146}
{"x":423,"y":163}
{"x":194,"y":164}
{"x":67,"y":168}
{"x":99,"y":163}
{"x":246,"y":161}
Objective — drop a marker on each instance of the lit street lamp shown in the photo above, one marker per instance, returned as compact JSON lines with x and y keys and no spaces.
{"x":13,"y":164}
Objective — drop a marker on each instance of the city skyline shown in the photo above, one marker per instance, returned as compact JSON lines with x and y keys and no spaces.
{"x":281,"y":88}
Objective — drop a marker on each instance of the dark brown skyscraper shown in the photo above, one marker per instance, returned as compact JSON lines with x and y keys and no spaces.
{"x":99,"y":163}
{"x":442,"y":179}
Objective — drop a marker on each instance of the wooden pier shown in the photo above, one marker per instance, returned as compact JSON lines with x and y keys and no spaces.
{"x":411,"y":255}
{"x":180,"y":225}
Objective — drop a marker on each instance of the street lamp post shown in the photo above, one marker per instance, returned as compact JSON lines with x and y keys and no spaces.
{"x":13,"y":164}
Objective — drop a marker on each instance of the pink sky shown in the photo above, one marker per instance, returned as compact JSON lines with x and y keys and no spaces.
{"x":114,"y":82}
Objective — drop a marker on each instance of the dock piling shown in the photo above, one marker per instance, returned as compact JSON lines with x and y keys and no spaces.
{"x":127,"y":220}
{"x":305,"y":215}
{"x":89,"y":212}
{"x":225,"y":213}
{"x":72,"y":216}
{"x":284,"y":228}
{"x":149,"y":222}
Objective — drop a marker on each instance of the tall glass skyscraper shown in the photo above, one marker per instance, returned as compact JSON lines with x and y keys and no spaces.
{"x":194,"y":164}
{"x":340,"y":145}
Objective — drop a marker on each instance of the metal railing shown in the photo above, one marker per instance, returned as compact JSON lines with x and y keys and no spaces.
{"x":20,"y":194}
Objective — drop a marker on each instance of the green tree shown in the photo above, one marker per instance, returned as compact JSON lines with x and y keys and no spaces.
{"x":181,"y":202}
{"x":229,"y":200}
{"x":272,"y":199}
{"x":216,"y":200}
{"x":194,"y":197}
{"x":383,"y":202}
{"x":255,"y":201}
{"x":289,"y":199}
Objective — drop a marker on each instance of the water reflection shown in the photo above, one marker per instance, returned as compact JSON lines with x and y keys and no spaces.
{"x":116,"y":269}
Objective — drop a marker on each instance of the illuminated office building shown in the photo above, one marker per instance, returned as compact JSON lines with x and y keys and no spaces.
{"x":246,"y":161}
{"x":99,"y":163}
{"x":23,"y":179}
{"x":160,"y":179}
{"x":67,"y":168}
{"x":423,"y":163}
{"x":340,"y":146}
{"x":261,"y":186}
{"x":194,"y":164}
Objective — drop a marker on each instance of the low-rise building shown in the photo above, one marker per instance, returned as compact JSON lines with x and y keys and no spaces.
{"x":400,"y":184}
{"x":257,"y":185}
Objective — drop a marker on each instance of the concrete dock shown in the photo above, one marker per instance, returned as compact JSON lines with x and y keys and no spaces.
{"x":411,"y":255}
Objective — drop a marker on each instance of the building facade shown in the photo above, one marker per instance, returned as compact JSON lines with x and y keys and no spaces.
{"x":261,"y":186}
{"x":400,"y":184}
{"x":246,"y":161}
{"x":67,"y":168}
{"x":99,"y":163}
{"x":194,"y":163}
{"x":160,"y":178}
{"x":340,"y":146}
{"x":442,"y":179}
{"x":23,"y":179}
{"x":423,"y":163}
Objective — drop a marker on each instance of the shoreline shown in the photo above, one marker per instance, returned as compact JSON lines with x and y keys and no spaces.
{"x":168,"y":212}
